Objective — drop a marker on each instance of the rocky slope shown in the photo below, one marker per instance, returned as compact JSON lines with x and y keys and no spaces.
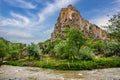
{"x":70,"y":17}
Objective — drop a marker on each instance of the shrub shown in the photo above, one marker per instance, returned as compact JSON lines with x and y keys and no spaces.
{"x":97,"y":45}
{"x":86,"y":53}
{"x":76,"y":38}
{"x":14,"y":55}
{"x":34,"y":50}
{"x":60,"y":49}
{"x":118,"y":49}
{"x":112,"y":49}
{"x":65,"y":51}
{"x":3,"y":49}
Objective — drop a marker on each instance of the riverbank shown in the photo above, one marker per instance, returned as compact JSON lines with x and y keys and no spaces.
{"x":33,"y":73}
{"x":51,"y":63}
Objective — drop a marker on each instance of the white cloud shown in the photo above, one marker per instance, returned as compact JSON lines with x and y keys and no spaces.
{"x":117,"y":1}
{"x":103,"y":15}
{"x":100,"y":21}
{"x":19,"y":34}
{"x":51,"y":8}
{"x":15,"y":34}
{"x":17,"y":16}
{"x":21,"y":4}
{"x":16,"y":20}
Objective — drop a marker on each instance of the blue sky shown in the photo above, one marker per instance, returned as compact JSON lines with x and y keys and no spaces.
{"x":33,"y":20}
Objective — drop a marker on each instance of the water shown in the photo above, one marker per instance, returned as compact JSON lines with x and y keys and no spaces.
{"x":33,"y":73}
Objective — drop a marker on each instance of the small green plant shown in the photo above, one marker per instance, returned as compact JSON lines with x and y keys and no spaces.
{"x":86,"y":53}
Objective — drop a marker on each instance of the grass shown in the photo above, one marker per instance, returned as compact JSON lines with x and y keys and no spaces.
{"x":52,"y":63}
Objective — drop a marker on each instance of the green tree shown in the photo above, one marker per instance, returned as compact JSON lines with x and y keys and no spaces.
{"x":76,"y":38}
{"x":14,"y":51}
{"x":65,"y":51}
{"x":3,"y":49}
{"x":114,"y":27}
{"x":86,"y":53}
{"x":69,"y":48}
{"x":60,"y":49}
{"x":98,"y":46}
{"x":112,"y":49}
{"x":34,"y":50}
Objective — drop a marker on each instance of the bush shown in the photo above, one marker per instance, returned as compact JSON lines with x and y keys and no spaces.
{"x":14,"y":55}
{"x":65,"y":51}
{"x":118,"y":49}
{"x":112,"y":49}
{"x":35,"y":51}
{"x":86,"y":53}
{"x":98,"y":45}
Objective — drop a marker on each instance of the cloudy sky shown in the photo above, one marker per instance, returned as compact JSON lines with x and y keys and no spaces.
{"x":33,"y":20}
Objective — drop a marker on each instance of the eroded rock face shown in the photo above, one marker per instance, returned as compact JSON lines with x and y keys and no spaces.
{"x":69,"y":17}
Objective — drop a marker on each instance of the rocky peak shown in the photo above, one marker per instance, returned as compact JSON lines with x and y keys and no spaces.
{"x":71,"y":17}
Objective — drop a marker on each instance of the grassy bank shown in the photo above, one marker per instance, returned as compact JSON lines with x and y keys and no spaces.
{"x":67,"y":65}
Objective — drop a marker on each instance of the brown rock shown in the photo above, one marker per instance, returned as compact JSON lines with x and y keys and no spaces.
{"x":70,"y":17}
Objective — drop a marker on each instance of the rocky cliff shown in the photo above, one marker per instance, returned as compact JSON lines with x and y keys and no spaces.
{"x":70,"y":17}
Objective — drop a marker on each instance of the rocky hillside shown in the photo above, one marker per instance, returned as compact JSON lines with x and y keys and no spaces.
{"x":70,"y":17}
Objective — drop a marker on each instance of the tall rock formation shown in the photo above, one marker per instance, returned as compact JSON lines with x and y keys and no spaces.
{"x":70,"y":17}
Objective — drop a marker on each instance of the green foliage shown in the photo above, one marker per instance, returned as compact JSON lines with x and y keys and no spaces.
{"x":60,"y":49}
{"x":1,"y":63}
{"x":97,"y":45}
{"x":69,"y":48}
{"x":112,"y":49}
{"x":3,"y":49}
{"x":14,"y":55}
{"x":71,"y":52}
{"x":76,"y":37}
{"x":86,"y":53}
{"x":47,"y":47}
{"x":10,"y":50}
{"x":92,"y":64}
{"x":118,"y":49}
{"x":114,"y":27}
{"x":65,"y":50}
{"x":63,"y":64}
{"x":14,"y":50}
{"x":34,"y":50}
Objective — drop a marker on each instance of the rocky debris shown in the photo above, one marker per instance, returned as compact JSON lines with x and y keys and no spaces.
{"x":70,"y":17}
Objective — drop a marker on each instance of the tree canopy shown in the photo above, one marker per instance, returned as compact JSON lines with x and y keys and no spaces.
{"x":114,"y":27}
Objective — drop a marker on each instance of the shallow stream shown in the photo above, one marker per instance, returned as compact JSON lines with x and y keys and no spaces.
{"x":33,"y":73}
